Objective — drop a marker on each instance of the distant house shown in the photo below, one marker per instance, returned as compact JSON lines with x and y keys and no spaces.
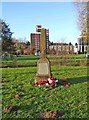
{"x":61,"y":48}
{"x":83,"y":45}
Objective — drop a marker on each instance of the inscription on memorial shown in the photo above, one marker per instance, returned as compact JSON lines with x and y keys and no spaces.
{"x":43,"y":68}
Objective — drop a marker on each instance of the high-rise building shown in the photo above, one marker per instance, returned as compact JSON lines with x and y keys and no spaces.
{"x":47,"y":40}
{"x":38,"y":28}
{"x":35,"y":39}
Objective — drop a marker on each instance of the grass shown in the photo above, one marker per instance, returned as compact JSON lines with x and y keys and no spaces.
{"x":30,"y":60}
{"x":71,"y":100}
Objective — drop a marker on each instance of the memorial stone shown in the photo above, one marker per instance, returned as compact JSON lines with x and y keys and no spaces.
{"x":43,"y":68}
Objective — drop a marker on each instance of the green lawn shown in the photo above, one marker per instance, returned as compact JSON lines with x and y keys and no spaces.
{"x":31,"y":60}
{"x":72,"y":100}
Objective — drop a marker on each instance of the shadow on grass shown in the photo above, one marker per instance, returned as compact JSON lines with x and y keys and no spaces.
{"x":78,"y":80}
{"x":71,"y":81}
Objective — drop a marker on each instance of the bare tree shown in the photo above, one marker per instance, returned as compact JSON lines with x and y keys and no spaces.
{"x":82,"y":7}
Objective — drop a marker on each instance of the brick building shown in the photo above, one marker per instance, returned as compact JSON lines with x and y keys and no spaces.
{"x":35,"y":42}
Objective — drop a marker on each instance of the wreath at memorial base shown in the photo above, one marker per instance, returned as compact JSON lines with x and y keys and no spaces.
{"x":52,"y":82}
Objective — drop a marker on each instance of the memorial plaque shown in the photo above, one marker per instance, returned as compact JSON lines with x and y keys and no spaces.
{"x":43,"y":69}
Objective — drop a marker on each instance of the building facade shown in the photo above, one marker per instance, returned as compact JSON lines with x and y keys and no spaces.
{"x":47,"y":40}
{"x":61,"y":48}
{"x":38,"y":28}
{"x":83,"y":45}
{"x":35,"y":42}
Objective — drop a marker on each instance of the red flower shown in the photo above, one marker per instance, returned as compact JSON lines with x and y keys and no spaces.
{"x":66,"y":84}
{"x":42,"y":82}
